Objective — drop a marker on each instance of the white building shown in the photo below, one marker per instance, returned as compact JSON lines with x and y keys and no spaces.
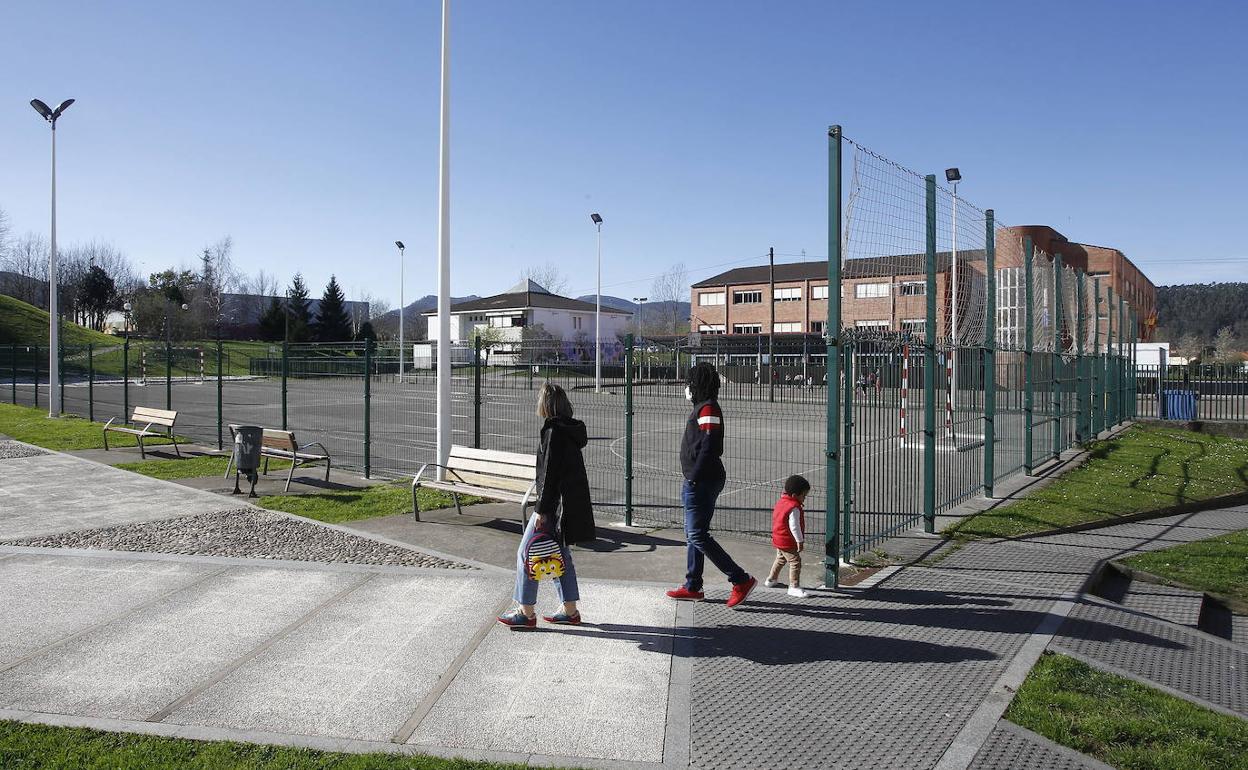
{"x":525,"y":305}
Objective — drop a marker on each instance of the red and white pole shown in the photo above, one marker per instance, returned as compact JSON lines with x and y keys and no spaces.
{"x":905,"y":388}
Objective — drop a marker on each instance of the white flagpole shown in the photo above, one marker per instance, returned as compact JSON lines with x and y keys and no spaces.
{"x":444,"y":252}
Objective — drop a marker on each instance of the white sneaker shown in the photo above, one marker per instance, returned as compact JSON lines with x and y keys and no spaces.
{"x":770,"y":583}
{"x":798,"y":593}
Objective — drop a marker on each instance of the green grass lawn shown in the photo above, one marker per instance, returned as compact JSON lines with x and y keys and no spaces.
{"x":190,"y":467}
{"x":28,"y":325}
{"x":1143,"y":469}
{"x":1218,"y":565}
{"x":25,"y":746}
{"x":33,"y":426}
{"x":368,"y":503}
{"x":1124,"y":723}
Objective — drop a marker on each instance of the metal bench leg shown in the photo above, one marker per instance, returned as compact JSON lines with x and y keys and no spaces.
{"x":293,"y":464}
{"x":174,"y":439}
{"x":265,"y":471}
{"x":327,"y":463}
{"x":106,"y":439}
{"x":142,"y":451}
{"x":228,"y":464}
{"x":415,"y":504}
{"x":455,"y":497}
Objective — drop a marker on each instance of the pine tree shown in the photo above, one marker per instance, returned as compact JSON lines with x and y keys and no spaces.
{"x":366,"y":333}
{"x":332,"y":322}
{"x":273,"y":322}
{"x":300,"y":314}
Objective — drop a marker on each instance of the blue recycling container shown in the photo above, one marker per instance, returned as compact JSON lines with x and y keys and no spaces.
{"x":1180,"y":405}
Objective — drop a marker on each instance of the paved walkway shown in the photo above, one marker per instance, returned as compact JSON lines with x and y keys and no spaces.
{"x":911,"y":669}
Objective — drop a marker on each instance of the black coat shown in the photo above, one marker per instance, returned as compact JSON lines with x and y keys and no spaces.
{"x":562,"y":484}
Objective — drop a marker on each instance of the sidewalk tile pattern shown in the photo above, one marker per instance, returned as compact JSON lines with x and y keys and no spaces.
{"x":1010,"y":748}
{"x":830,"y":679}
{"x":136,"y":666}
{"x":1177,"y":605}
{"x":599,"y":690}
{"x":47,"y":600}
{"x":359,"y":668}
{"x":1182,"y":660}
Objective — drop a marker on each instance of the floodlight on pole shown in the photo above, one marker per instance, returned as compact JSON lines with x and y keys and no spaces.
{"x":596,"y":218}
{"x":54,"y":337}
{"x":953,"y":176}
{"x":402,"y":301}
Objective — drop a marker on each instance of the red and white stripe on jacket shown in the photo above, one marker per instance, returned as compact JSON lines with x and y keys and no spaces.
{"x":710,"y":418}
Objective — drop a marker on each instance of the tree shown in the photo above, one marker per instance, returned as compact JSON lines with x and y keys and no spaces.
{"x":332,"y":322}
{"x":538,"y":344}
{"x":672,"y":289}
{"x":97,"y":296}
{"x":27,"y":256}
{"x":298,"y":306}
{"x":217,"y":277}
{"x":1226,"y":346}
{"x":272,"y":321}
{"x":548,"y":276}
{"x":365,"y":333}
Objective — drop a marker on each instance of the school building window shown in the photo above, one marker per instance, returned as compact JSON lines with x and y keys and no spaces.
{"x":816,"y":327}
{"x":871,"y":324}
{"x":711,"y":329}
{"x":819,"y":292}
{"x":747,"y":328}
{"x":793,"y":294}
{"x":868,"y":290}
{"x":915,"y":326}
{"x":788,"y":328}
{"x":912,"y":289}
{"x":708,"y":298}
{"x":747,"y":297}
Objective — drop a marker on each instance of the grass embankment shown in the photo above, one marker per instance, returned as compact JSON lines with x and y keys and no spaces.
{"x":1124,"y":723}
{"x":28,"y":325}
{"x":33,"y":426}
{"x":72,"y":748}
{"x":1141,"y":470}
{"x":1218,"y":565}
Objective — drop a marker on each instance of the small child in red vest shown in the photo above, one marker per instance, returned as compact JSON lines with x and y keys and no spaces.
{"x":788,"y":534}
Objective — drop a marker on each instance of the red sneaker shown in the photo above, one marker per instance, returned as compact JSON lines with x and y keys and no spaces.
{"x":685,"y":595}
{"x":741,"y":591}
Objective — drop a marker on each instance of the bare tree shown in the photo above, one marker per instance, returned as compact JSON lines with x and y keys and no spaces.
{"x":548,"y":275}
{"x":27,"y":257}
{"x":671,"y":288}
{"x":4,"y":236}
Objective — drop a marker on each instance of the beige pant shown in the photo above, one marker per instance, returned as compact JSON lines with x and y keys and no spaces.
{"x":794,"y":558}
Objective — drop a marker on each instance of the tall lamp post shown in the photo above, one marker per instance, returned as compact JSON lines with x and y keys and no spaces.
{"x":641,"y":315}
{"x":597,"y":220}
{"x":402,"y":282}
{"x":953,"y":176}
{"x":54,"y":337}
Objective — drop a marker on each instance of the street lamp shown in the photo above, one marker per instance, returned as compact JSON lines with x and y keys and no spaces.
{"x":953,"y":176}
{"x":597,"y":220}
{"x":54,"y":337}
{"x":402,"y":281}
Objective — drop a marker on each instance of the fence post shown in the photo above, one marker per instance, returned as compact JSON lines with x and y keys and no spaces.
{"x":929,"y":366}
{"x":90,"y":382}
{"x":168,"y":375}
{"x":1057,"y":356}
{"x":37,"y":378}
{"x":13,"y":364}
{"x":1081,"y":402}
{"x":368,"y":408}
{"x":990,"y":353}
{"x":832,"y":333}
{"x":628,"y":430}
{"x":847,"y":447}
{"x":1029,"y":341}
{"x":285,"y":374}
{"x":1134,"y":359}
{"x":125,"y":378}
{"x":60,"y":375}
{"x":1122,"y":359}
{"x":1098,"y":402}
{"x":1111,"y":406}
{"x":220,"y":395}
{"x":476,"y":392}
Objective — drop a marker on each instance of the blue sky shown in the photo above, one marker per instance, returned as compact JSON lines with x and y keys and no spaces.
{"x":308,"y":131}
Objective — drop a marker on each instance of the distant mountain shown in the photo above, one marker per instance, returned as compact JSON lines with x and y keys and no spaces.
{"x":427,"y":302}
{"x":653,"y":315}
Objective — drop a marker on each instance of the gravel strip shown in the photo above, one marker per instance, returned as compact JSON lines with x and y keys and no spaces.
{"x":241,"y":533}
{"x":11,"y":450}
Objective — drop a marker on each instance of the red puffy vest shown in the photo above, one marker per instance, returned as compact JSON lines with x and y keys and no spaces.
{"x":781,"y":535}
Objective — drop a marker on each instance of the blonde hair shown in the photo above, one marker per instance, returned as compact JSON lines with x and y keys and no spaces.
{"x":552,"y":401}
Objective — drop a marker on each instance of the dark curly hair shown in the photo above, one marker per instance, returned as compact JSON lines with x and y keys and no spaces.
{"x":703,"y":382}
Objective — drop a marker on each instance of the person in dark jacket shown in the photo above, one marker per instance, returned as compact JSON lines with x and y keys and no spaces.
{"x":700,"y":450}
{"x":563,"y":511}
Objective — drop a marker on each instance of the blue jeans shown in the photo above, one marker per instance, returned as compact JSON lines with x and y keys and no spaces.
{"x":526,"y":587}
{"x":699,"y":500}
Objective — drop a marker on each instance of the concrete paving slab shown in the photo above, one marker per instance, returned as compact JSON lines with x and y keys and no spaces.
{"x":46,"y":600}
{"x":35,"y":498}
{"x":135,"y":666}
{"x":360,"y":667}
{"x":607,"y":681}
{"x":1010,"y":746}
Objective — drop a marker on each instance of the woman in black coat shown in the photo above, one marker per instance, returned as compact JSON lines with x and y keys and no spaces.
{"x":563,"y":513}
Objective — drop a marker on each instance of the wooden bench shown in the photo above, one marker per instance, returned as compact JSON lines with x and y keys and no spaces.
{"x":506,"y":476}
{"x":282,"y":445}
{"x":147,"y":417}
